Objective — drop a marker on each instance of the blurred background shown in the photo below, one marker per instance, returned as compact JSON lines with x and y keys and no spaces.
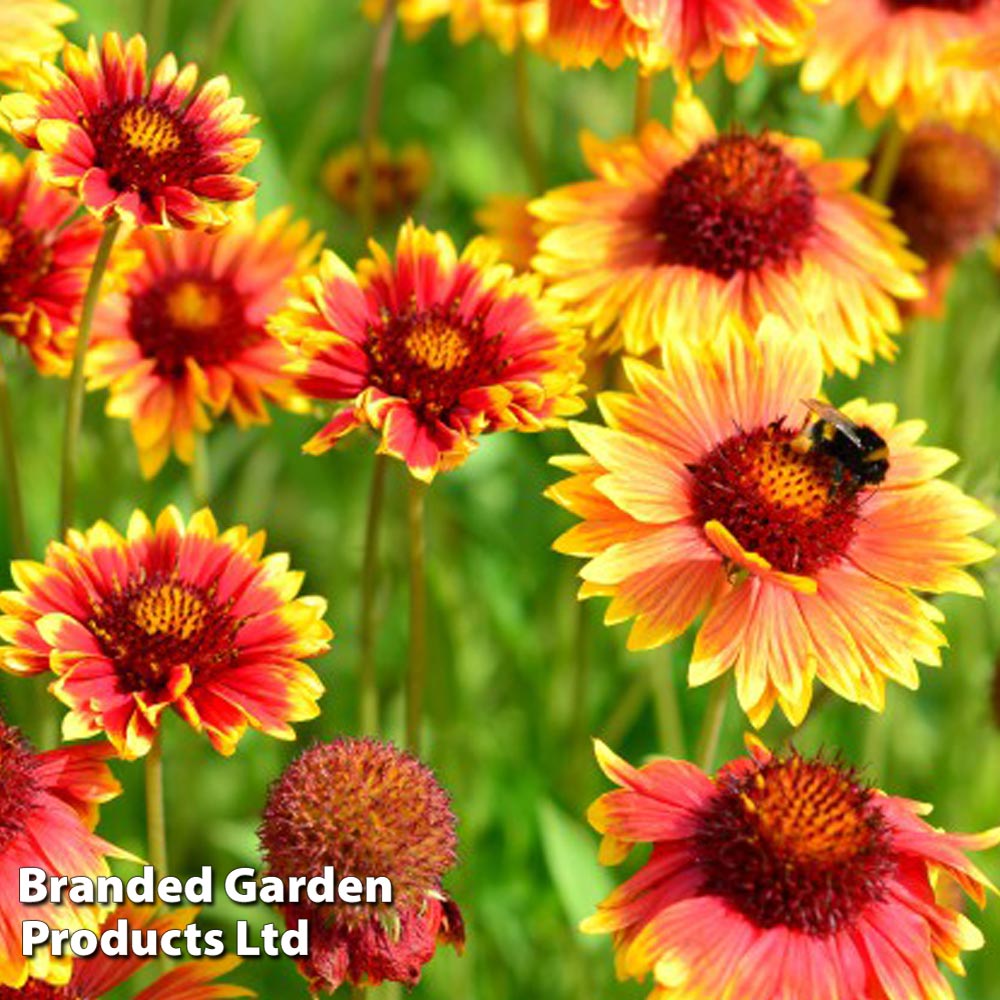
{"x":520,"y":677}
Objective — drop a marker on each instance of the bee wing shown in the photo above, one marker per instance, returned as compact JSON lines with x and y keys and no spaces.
{"x":834,"y":417}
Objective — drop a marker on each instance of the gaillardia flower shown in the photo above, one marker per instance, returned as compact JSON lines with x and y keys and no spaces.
{"x":185,"y":340}
{"x":171,"y":616}
{"x":98,"y":975}
{"x":416,"y":16}
{"x":432,"y":349}
{"x":895,"y":56}
{"x":781,"y":876}
{"x":399,"y":179}
{"x":49,"y":803}
{"x":45,"y":261}
{"x":368,"y":810}
{"x":149,"y":150}
{"x":508,"y":22}
{"x":684,"y":228}
{"x":946,"y":198}
{"x":706,"y":492}
{"x":29,"y":34}
{"x":689,"y":36}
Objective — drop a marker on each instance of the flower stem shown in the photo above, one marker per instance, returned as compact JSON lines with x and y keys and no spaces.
{"x":74,"y":393}
{"x":222,"y":23}
{"x":155,"y":824}
{"x":643,"y":100}
{"x":416,"y":677}
{"x":669,"y":724}
{"x":201,"y":479}
{"x":8,"y":444}
{"x":711,"y":727}
{"x":884,"y":173}
{"x":368,"y":701}
{"x":525,"y":133}
{"x":381,"y":51}
{"x":578,"y":751}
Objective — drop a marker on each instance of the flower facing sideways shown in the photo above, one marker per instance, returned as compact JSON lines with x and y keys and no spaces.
{"x":149,"y":150}
{"x":45,"y":260}
{"x":184,"y":340}
{"x":49,"y":808}
{"x":699,"y":496}
{"x":170,"y":616}
{"x":432,"y":349}
{"x":97,"y":976}
{"x":779,"y":877}
{"x":683,"y":228}
{"x":368,"y":810}
{"x":29,"y":33}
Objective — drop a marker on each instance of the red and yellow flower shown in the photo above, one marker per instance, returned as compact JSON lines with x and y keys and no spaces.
{"x":147,"y":149}
{"x":699,"y":497}
{"x":29,"y":34}
{"x":899,"y":56}
{"x":432,"y":349}
{"x":416,"y":16}
{"x":185,"y":340}
{"x":98,"y":975}
{"x":370,"y":810}
{"x":45,"y":261}
{"x":170,"y":616}
{"x":689,"y":36}
{"x":781,"y":876}
{"x":684,"y":228}
{"x":49,"y":803}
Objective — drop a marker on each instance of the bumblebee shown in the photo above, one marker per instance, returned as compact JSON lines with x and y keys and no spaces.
{"x":860,"y":454}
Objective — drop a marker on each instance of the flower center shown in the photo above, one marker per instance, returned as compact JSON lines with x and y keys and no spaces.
{"x":431,"y":357}
{"x":18,"y":786}
{"x":797,"y":843}
{"x":946,"y":194}
{"x":367,"y":809}
{"x":191,"y":316}
{"x":959,"y":6}
{"x":36,"y":989}
{"x":149,"y":627}
{"x":783,"y":502}
{"x":144,"y":147}
{"x":23,"y":258}
{"x":738,"y":204}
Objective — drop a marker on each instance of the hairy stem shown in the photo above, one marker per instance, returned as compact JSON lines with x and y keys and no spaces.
{"x":368,"y":700}
{"x":416,"y":678}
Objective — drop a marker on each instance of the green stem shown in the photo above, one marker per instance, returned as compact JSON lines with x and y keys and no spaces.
{"x":368,"y":700}
{"x":711,"y":727}
{"x":890,"y":150}
{"x":669,"y":723}
{"x":75,"y":389}
{"x":525,"y":132}
{"x":157,"y":22}
{"x":155,"y":823}
{"x":627,"y":711}
{"x":20,"y":546}
{"x":643,"y":100}
{"x":222,"y":23}
{"x":201,"y":479}
{"x":381,"y":51}
{"x":416,"y":678}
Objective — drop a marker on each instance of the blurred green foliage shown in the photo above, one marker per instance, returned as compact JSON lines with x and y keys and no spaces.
{"x":505,"y":628}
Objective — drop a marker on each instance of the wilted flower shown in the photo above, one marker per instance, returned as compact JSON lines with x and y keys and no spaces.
{"x":149,"y":150}
{"x":684,"y":228}
{"x":781,"y":876}
{"x":432,"y":350}
{"x":368,"y":810}
{"x":704,"y":494}
{"x":172,"y":616}
{"x":48,"y":810}
{"x":184,"y":341}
